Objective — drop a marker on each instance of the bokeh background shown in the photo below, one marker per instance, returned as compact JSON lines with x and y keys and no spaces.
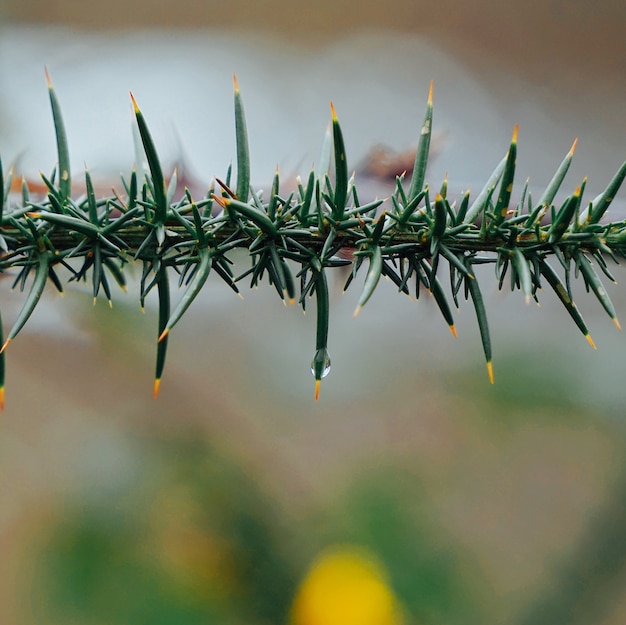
{"x":412,"y":487}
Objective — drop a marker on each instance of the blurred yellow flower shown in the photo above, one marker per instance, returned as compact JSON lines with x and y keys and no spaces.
{"x":346,"y":586}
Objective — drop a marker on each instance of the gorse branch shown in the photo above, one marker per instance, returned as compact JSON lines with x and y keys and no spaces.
{"x":417,"y":239}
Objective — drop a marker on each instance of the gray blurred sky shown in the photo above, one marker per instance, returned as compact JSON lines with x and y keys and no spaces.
{"x":557,"y":68}
{"x":534,"y":36}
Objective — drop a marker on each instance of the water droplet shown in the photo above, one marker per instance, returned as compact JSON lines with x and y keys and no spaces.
{"x":320,"y":365}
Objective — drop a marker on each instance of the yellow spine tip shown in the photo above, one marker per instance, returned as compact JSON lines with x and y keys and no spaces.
{"x":292,"y":301}
{"x":430,"y":93}
{"x":573,"y":148}
{"x":6,"y":344}
{"x":617,"y":323}
{"x":453,"y":330}
{"x":332,"y":112}
{"x":317,"y":389}
{"x":590,"y":341}
{"x":514,"y":139}
{"x":155,"y":390}
{"x":2,"y":398}
{"x":356,"y":312}
{"x":222,"y":201}
{"x":135,"y":107}
{"x":94,"y":301}
{"x":235,"y":83}
{"x":163,"y":335}
{"x":490,"y":371}
{"x":48,"y":80}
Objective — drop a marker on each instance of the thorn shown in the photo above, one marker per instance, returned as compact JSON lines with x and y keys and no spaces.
{"x":222,"y":201}
{"x":110,"y":303}
{"x":240,"y":296}
{"x":235,"y":83}
{"x":356,"y":312}
{"x":430,"y":93}
{"x":95,"y":300}
{"x":163,"y":335}
{"x":573,"y":148}
{"x":453,"y":330}
{"x":514,"y":139}
{"x":155,"y":390}
{"x":6,"y":344}
{"x":332,"y":111}
{"x":135,"y":107}
{"x":589,"y":339}
{"x":490,"y":371}
{"x":2,"y":398}
{"x":292,"y":301}
{"x":317,"y":389}
{"x":617,"y":323}
{"x":527,"y":299}
{"x":48,"y":80}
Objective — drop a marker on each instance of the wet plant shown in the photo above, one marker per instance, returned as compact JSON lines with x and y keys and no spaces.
{"x":418,"y":238}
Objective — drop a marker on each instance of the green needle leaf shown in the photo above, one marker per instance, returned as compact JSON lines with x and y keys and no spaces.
{"x":555,"y":184}
{"x":440,"y":297}
{"x":32,"y":299}
{"x":163,"y":288}
{"x":564,"y":217}
{"x":439,"y":225}
{"x":481,"y":316}
{"x":243,"y":149}
{"x":523,"y":272}
{"x":371,"y":279}
{"x":601,"y":204}
{"x":259,"y":219}
{"x":558,"y":287}
{"x":154,"y":164}
{"x":423,"y":147}
{"x":320,"y":366}
{"x":340,"y":197}
{"x":65,"y":182}
{"x":597,"y":287}
{"x":506,"y":186}
{"x":478,"y":205}
{"x":91,"y":199}
{"x":203,"y":270}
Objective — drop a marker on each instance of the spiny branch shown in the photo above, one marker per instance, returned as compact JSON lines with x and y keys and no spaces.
{"x":294,"y":239}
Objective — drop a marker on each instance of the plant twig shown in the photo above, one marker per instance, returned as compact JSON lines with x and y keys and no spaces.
{"x":320,"y":226}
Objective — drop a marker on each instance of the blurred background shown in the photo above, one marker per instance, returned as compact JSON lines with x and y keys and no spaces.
{"x":413,"y":488}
